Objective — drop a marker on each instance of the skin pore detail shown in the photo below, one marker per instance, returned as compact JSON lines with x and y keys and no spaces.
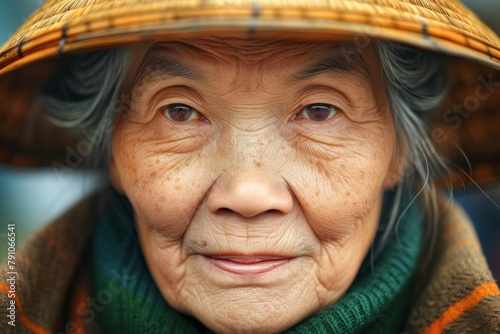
{"x":256,"y":172}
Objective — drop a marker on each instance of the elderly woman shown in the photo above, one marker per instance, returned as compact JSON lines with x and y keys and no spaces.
{"x":270,"y":168}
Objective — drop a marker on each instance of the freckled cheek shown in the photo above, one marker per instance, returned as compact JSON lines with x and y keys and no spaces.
{"x":163,"y":189}
{"x":337,"y":195}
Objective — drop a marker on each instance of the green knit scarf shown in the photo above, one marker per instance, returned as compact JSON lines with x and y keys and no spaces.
{"x":130,"y":302}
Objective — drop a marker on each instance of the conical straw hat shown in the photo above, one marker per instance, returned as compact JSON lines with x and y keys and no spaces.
{"x":62,"y":27}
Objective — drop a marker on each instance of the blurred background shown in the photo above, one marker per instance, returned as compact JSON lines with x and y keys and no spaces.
{"x":32,"y":197}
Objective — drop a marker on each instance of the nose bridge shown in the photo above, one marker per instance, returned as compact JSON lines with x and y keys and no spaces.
{"x":251,"y":150}
{"x":255,"y":143}
{"x":251,"y":182}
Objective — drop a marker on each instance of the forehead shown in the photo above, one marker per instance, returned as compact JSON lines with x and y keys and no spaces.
{"x":219,"y":50}
{"x":201,"y":59}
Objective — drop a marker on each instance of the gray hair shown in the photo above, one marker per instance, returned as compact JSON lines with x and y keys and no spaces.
{"x":86,"y":96}
{"x":417,"y":84}
{"x":89,"y":92}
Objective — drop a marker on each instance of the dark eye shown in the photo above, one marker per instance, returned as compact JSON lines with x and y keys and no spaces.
{"x":180,"y":113}
{"x":318,"y":112}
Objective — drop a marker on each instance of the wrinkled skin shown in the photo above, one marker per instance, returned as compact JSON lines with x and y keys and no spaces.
{"x":247,"y":166}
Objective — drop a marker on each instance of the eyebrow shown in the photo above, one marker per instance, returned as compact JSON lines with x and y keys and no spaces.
{"x":346,"y":59}
{"x":158,"y":64}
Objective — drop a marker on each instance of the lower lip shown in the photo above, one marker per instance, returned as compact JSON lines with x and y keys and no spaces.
{"x":247,"y":267}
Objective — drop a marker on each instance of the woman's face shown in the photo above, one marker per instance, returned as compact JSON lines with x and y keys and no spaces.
{"x":256,"y":171}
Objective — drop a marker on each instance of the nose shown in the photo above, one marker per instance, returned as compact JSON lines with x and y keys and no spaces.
{"x":250,"y":193}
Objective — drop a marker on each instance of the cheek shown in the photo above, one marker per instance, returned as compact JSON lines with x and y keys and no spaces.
{"x":341,"y":195}
{"x":164,"y":188}
{"x":344,"y":189}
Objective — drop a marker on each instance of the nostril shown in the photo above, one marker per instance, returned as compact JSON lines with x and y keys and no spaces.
{"x":274,"y":212}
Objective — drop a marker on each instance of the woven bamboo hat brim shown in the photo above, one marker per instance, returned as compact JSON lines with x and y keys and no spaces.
{"x":63,"y":27}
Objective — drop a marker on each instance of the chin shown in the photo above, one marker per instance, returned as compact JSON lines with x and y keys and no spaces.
{"x":253,"y":309}
{"x":251,"y":319}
